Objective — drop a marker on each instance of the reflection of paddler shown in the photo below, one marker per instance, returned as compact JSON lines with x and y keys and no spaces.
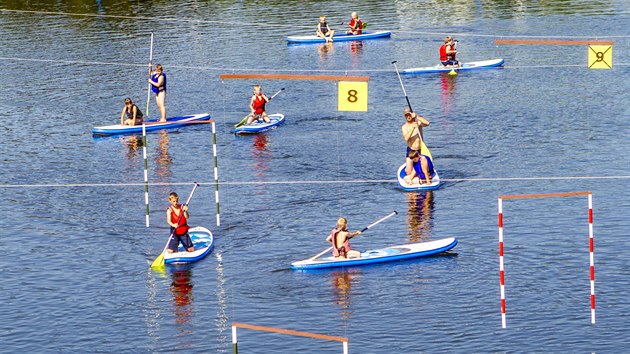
{"x":163,"y":159}
{"x":181,"y":288}
{"x":420,"y":207}
{"x":342,"y":284}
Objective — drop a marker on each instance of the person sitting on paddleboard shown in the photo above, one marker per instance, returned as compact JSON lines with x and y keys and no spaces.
{"x":418,"y":168}
{"x":177,"y":218}
{"x":257,"y":105}
{"x":340,"y":238}
{"x":355,"y":24}
{"x":323,"y":30}
{"x":412,"y":130}
{"x":131,"y":112}
{"x":448,"y":53}
{"x":157,"y":80}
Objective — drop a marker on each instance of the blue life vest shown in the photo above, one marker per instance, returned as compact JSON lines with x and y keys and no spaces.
{"x":154,"y":78}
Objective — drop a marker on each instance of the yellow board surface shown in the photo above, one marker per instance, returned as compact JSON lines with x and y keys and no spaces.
{"x":353,"y":96}
{"x":600,"y":57}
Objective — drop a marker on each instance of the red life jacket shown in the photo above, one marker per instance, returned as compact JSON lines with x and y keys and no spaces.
{"x":182,"y":229}
{"x":443,"y":55}
{"x":356,"y":25}
{"x":259,"y":104}
{"x":343,"y":250}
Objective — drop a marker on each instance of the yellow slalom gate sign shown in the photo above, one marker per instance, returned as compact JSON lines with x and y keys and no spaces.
{"x":600,"y":56}
{"x":353,"y":96}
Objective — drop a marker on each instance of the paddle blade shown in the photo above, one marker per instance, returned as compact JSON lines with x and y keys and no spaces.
{"x":424,"y":150}
{"x":241,"y":122}
{"x":364,"y":25}
{"x":158,"y":262}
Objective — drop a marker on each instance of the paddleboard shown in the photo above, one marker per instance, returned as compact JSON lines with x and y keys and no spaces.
{"x":260,"y":126}
{"x":202,"y":240}
{"x":485,"y":64}
{"x":150,"y":125}
{"x":387,"y":254}
{"x":341,"y":37}
{"x":435,"y":181}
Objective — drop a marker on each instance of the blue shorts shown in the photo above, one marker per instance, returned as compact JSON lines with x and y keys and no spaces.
{"x":449,"y":62}
{"x":184,"y":239}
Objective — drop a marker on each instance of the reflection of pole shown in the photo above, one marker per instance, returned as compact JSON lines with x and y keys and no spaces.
{"x":216,"y":171}
{"x":222,"y":318}
{"x":146,"y":175}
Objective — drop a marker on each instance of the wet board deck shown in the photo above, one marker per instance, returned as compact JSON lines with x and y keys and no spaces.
{"x":150,"y":125}
{"x":387,"y":254}
{"x":473,"y":65}
{"x":341,"y":37}
{"x":202,"y":239}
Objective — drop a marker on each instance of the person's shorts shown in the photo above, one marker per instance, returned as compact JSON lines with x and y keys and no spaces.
{"x":175,"y":240}
{"x":449,"y":62}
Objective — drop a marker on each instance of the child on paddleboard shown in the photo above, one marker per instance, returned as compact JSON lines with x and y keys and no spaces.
{"x":340,"y":238}
{"x":257,"y":106}
{"x":448,"y":53}
{"x":157,"y":79}
{"x":177,"y":218}
{"x":131,"y":114}
{"x":418,"y":168}
{"x":323,"y":31}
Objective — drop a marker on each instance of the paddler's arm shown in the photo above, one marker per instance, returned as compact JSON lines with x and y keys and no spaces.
{"x":122,"y":116}
{"x":353,"y":234}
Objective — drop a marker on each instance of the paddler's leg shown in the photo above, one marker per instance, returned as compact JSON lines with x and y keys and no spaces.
{"x":354,"y":254}
{"x":265,"y":117}
{"x":250,"y":118}
{"x":187,"y":242}
{"x":160,"y":99}
{"x":409,"y":171}
{"x":424,"y":164}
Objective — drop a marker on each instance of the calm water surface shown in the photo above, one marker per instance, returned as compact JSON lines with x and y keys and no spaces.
{"x":76,"y":251}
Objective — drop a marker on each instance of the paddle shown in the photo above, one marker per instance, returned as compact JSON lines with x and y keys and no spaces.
{"x":366,"y":228}
{"x":150,"y":66}
{"x":247,"y":116}
{"x":423,"y":147}
{"x":159,"y":261}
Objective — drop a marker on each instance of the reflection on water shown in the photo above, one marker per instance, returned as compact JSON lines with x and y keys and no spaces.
{"x":324,"y":50}
{"x":342,"y":286}
{"x":419,"y":210}
{"x":261,"y":152}
{"x":163,"y":159}
{"x":448,"y":87}
{"x":181,"y":288}
{"x":133,"y":144}
{"x":356,"y":51}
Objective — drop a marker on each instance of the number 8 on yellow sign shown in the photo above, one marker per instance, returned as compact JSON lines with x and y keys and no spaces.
{"x":353,"y":96}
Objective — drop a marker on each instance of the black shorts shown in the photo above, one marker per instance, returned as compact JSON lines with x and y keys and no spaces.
{"x":184,"y":239}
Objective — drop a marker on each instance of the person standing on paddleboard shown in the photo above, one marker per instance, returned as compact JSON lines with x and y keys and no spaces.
{"x":157,"y":80}
{"x":177,"y":218}
{"x":340,"y":238}
{"x":257,"y":106}
{"x":412,"y":134}
{"x":448,"y":53}
{"x":131,"y":112}
{"x":323,"y":30}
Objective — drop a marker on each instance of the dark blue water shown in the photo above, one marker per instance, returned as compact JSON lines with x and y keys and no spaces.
{"x":75,"y":274}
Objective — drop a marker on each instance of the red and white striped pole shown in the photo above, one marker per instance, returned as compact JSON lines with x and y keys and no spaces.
{"x":501,"y":269}
{"x":591,"y":255}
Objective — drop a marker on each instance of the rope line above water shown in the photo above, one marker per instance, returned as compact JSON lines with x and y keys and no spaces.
{"x":367,"y":181}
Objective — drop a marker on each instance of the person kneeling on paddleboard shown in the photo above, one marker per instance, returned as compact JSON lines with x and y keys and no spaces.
{"x":257,"y":105}
{"x":340,"y":238}
{"x":355,"y":25}
{"x":177,"y":218}
{"x":131,"y":114}
{"x":448,"y":53}
{"x":418,"y":167}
